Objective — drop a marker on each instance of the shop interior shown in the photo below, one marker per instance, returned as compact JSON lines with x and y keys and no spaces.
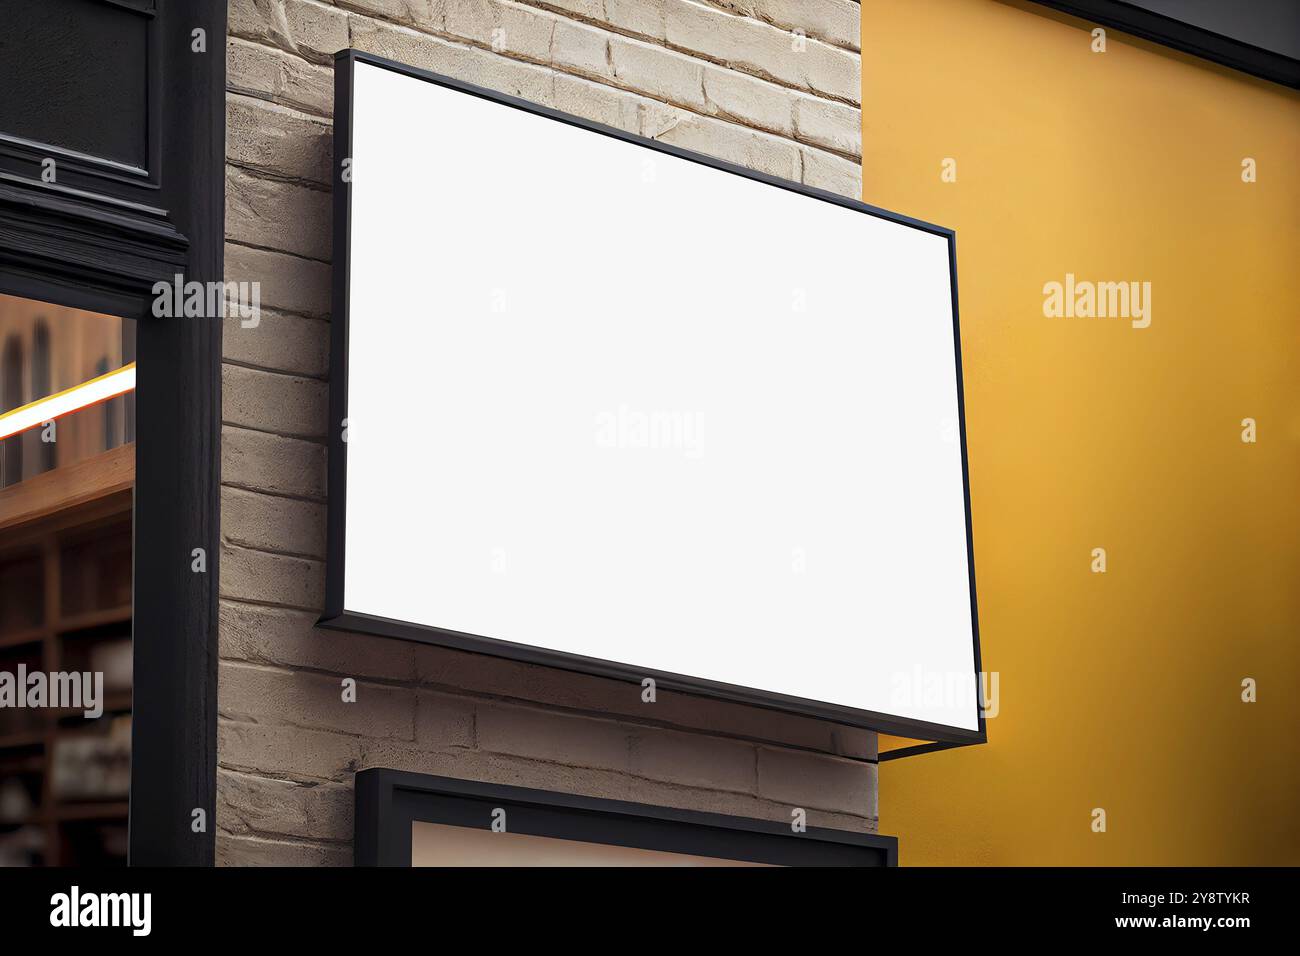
{"x":67,"y":473}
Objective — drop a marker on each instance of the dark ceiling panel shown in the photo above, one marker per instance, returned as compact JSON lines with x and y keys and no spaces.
{"x":1268,"y":24}
{"x":1260,"y":37}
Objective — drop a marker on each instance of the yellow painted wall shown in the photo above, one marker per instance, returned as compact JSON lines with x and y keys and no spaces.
{"x":1118,"y":690}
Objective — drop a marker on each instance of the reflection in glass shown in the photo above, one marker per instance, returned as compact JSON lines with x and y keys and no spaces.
{"x":46,"y":349}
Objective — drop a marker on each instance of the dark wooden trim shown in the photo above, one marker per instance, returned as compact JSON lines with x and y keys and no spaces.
{"x":178,"y":462}
{"x":389,"y":802}
{"x":92,"y":171}
{"x":109,"y":250}
{"x":1169,"y":32}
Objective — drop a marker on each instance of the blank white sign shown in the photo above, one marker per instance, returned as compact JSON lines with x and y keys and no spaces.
{"x":615,"y":403}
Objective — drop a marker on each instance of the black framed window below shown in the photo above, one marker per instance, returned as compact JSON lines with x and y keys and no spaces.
{"x":411,"y":819}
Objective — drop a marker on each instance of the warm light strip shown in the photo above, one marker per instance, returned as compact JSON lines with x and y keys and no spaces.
{"x":98,"y":389}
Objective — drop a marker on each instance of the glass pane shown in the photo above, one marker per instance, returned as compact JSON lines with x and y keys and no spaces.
{"x":45,"y":350}
{"x":65,"y":582}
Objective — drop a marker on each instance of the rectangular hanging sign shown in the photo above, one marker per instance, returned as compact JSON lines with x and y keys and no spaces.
{"x":608,"y":405}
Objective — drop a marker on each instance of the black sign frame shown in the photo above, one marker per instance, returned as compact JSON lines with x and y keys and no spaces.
{"x":337,"y":617}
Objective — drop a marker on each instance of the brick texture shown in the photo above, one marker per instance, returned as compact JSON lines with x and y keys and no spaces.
{"x":770,"y":84}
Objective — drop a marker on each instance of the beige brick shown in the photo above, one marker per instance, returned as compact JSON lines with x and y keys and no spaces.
{"x":314,"y":31}
{"x":832,"y":173}
{"x":802,"y":779}
{"x":409,"y":46}
{"x":281,"y":466}
{"x":658,"y":118}
{"x":318,"y":30}
{"x":602,"y":104}
{"x":279,"y":341}
{"x":499,"y":677}
{"x":643,"y":17}
{"x":576,"y":741}
{"x":288,"y":638}
{"x":838,"y":821}
{"x":248,"y":575}
{"x":830,"y":71}
{"x":468,"y":764}
{"x":261,"y":20}
{"x":288,"y":283}
{"x":269,"y":401}
{"x":277,"y":215}
{"x":282,"y":749}
{"x":753,"y":101}
{"x":426,"y":14}
{"x":765,"y":50}
{"x":835,"y":21}
{"x":250,"y":851}
{"x":695,"y":760}
{"x":657,"y":72}
{"x":443,"y":721}
{"x":592,"y":782}
{"x":278,"y":141}
{"x":580,"y":49}
{"x":272,"y":523}
{"x":481,"y":67}
{"x":513,"y":771}
{"x":261,"y":71}
{"x":524,"y":80}
{"x":263,"y":695}
{"x":755,"y":150}
{"x":587,"y":9}
{"x":829,"y":124}
{"x":249,"y":805}
{"x":505,"y":27}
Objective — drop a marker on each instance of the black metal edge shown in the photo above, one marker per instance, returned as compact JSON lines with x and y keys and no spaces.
{"x":1185,"y":37}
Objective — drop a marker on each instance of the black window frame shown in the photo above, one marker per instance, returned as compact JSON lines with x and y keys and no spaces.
{"x":390,"y":802}
{"x":102,"y":248}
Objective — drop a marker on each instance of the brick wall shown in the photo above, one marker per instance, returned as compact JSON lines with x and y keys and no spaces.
{"x":732,"y":78}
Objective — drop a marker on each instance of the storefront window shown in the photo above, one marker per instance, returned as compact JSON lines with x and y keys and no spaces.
{"x":67,"y":465}
{"x":49,"y":349}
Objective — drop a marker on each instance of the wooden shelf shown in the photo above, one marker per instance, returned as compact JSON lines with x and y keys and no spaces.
{"x":33,"y":764}
{"x":68,"y":625}
{"x":86,"y":810}
{"x":40,"y":519}
{"x":82,"y":622}
{"x":115,"y":701}
{"x":111,"y":810}
{"x":63,"y":489}
{"x":19,"y":638}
